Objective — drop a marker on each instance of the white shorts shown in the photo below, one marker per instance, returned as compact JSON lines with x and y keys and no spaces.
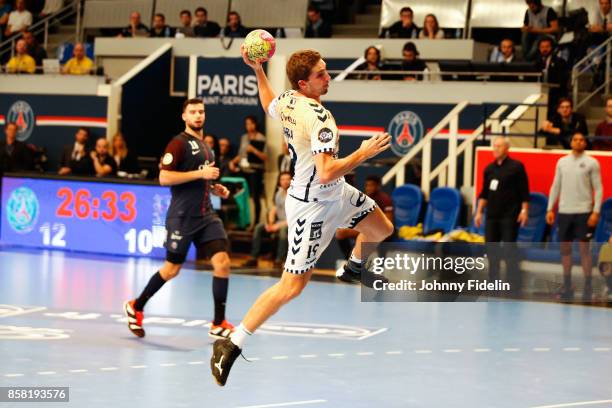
{"x":312,"y":225}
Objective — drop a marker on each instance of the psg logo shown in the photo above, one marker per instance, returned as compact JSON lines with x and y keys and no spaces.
{"x":406,"y":129}
{"x":22,"y":210}
{"x":22,"y":114}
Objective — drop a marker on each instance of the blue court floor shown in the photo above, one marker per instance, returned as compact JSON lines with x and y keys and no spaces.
{"x":61,"y":324}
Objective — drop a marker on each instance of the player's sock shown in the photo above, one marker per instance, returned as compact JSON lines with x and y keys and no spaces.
{"x":155,"y":284}
{"x":588,"y":281}
{"x":345,"y":247}
{"x":567,"y":281}
{"x":354,"y":259}
{"x":239,"y":335}
{"x":219,"y":288}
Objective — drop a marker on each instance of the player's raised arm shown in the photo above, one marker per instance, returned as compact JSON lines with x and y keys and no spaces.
{"x":266,"y":93}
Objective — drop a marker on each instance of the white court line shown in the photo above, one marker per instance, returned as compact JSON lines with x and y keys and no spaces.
{"x":46,"y":372}
{"x":572,"y":349}
{"x":365,"y":353}
{"x":108,"y":368}
{"x":138,"y":366}
{"x":392,"y":352}
{"x":539,"y":349}
{"x":23,"y":312}
{"x":482,"y":350}
{"x":254,"y":358}
{"x":576,"y":404}
{"x":80,"y":370}
{"x":308,"y":356}
{"x":384,"y":329}
{"x":280,"y":357}
{"x":511,"y":350}
{"x":285,"y":404}
{"x":336,"y":355}
{"x":423,"y":351}
{"x":601,"y":349}
{"x":13,"y":375}
{"x":167,"y":365}
{"x":195,"y":362}
{"x":452,"y":351}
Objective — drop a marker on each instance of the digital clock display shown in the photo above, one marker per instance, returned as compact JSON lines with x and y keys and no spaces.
{"x":99,"y":217}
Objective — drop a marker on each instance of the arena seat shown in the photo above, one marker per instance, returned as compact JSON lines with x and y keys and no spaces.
{"x":536,"y":225}
{"x":217,"y":10}
{"x":604,"y":227}
{"x":407,"y":203}
{"x":443,"y":210}
{"x":272,"y":13}
{"x":115,"y":13}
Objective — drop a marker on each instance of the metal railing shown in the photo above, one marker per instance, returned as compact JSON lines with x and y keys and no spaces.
{"x":42,"y":27}
{"x":428,"y":75}
{"x":586,"y":65}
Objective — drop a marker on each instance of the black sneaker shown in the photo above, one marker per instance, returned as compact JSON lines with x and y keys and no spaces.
{"x":352,"y":273}
{"x":224,"y":354}
{"x":587,"y":294}
{"x":565,"y":294}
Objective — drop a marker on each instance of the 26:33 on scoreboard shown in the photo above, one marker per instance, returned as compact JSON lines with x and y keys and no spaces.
{"x":89,"y":216}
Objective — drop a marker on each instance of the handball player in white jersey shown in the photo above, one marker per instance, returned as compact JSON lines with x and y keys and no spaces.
{"x":318,"y":201}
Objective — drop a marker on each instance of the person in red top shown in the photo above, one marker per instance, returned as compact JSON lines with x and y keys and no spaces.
{"x":188,"y":167}
{"x":603,"y":132}
{"x":373,"y":190}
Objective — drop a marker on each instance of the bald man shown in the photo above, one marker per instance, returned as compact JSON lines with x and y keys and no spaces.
{"x":79,"y":64}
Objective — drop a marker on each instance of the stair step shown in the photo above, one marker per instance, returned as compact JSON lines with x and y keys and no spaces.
{"x":367,"y":19}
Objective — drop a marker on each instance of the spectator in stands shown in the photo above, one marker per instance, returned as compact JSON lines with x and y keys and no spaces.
{"x":405,"y":28}
{"x":34,"y":49}
{"x":21,"y":63}
{"x":252,"y":157}
{"x":125,"y":160}
{"x":5,"y":10}
{"x":79,"y":64}
{"x":104,"y":163}
{"x":505,"y":195}
{"x":76,"y":158}
{"x":412,"y":62}
{"x":14,"y":155}
{"x":600,"y":23}
{"x":51,"y":7}
{"x":563,"y":124}
{"x":504,"y":53}
{"x":372,"y":63}
{"x":373,"y":189}
{"x":186,"y":30}
{"x":203,"y":27}
{"x":284,"y":161}
{"x":233,"y":26}
{"x":326,"y":7}
{"x":603,"y":132}
{"x":539,"y":22}
{"x":431,"y":29}
{"x":213,"y":143}
{"x":554,"y":71}
{"x":225,"y":158}
{"x":276,"y":223}
{"x":317,"y":27}
{"x":160,"y":28}
{"x":577,"y":179}
{"x":19,"y":19}
{"x":136,"y":28}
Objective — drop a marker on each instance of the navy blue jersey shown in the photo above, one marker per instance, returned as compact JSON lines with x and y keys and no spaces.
{"x":188,"y":153}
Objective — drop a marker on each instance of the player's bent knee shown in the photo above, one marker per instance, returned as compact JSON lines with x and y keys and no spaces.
{"x":169,"y":271}
{"x":221,"y":264}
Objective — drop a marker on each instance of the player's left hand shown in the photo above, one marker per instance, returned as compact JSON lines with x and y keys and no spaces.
{"x":593,"y":220}
{"x":523,"y":218}
{"x":221,"y":191}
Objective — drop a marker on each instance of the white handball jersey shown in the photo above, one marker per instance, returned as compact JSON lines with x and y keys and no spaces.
{"x":309,"y":129}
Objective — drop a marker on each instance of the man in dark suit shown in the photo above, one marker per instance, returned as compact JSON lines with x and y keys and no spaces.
{"x":554,"y":71}
{"x":203,"y":27}
{"x":75,"y":158}
{"x":317,"y":27}
{"x":14,"y":155}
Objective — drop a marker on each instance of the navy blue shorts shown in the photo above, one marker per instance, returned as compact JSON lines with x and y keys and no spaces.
{"x":574,"y":227}
{"x":201,"y":230}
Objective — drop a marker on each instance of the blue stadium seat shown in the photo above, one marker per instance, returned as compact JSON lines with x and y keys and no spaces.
{"x":536,"y":226}
{"x":604,"y":227}
{"x":443,"y":210}
{"x":65,"y":50}
{"x":407,"y":202}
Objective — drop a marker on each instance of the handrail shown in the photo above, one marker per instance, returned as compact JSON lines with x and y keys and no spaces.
{"x":584,"y":65}
{"x":40,"y":26}
{"x":398,"y":169}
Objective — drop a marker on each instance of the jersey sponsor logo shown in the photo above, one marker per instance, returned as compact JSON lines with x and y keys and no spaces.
{"x":288,"y":118}
{"x":22,"y":210}
{"x":406,"y":130}
{"x":358,"y":202}
{"x":167,"y":160}
{"x":21,"y":113}
{"x":316,"y":231}
{"x":330,"y":185}
{"x":326,"y":135}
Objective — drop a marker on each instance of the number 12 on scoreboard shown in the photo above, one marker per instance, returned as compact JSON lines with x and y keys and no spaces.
{"x":53,"y":235}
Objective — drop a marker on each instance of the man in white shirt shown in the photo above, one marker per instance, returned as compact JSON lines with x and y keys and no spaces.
{"x":19,"y":19}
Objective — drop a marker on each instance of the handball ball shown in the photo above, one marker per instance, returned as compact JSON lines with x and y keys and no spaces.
{"x":259,"y":44}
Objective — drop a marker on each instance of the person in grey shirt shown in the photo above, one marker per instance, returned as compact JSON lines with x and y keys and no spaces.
{"x":577,"y":176}
{"x":275,"y":224}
